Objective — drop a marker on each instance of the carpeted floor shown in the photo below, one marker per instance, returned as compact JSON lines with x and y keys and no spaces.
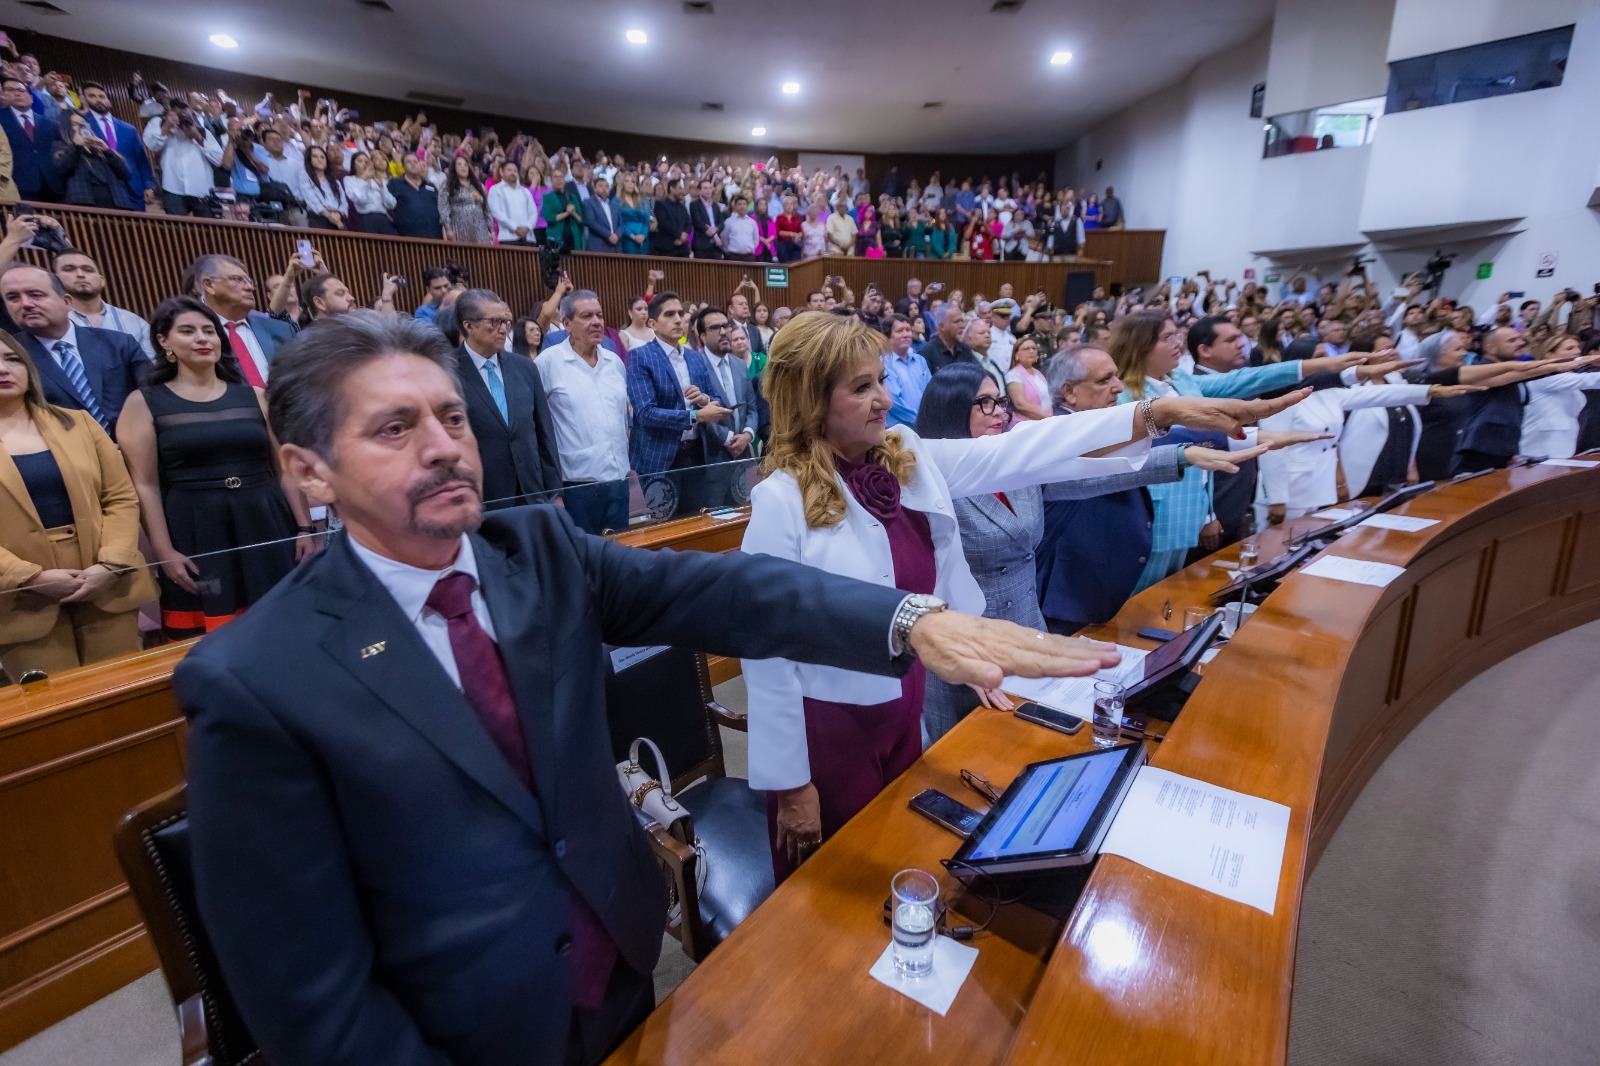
{"x":134,"y":1026}
{"x":1455,"y":918}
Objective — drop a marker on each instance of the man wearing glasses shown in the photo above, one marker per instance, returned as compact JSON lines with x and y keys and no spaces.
{"x":506,"y":407}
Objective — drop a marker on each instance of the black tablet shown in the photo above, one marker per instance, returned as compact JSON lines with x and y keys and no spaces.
{"x":1054,"y":815}
{"x":1383,"y":506}
{"x":1267,"y":573}
{"x":1176,"y":656}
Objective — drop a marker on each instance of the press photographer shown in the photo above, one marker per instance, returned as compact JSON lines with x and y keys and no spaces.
{"x":186,"y":152}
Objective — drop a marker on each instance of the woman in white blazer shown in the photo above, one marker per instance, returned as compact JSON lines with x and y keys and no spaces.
{"x":1550,"y":418}
{"x":846,"y":495}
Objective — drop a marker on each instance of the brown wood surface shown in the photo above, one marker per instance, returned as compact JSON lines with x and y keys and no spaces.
{"x":79,"y":751}
{"x":1299,"y":708}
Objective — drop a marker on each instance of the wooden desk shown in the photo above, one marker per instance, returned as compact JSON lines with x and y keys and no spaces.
{"x":1299,"y":708}
{"x":77,"y":753}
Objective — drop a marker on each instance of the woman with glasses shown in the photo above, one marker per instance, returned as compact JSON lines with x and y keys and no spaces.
{"x":847,"y":495}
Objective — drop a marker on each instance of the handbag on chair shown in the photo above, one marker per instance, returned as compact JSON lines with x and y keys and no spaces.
{"x":652,"y":798}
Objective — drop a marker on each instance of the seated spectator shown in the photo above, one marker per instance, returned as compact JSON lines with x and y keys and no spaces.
{"x":86,"y":306}
{"x":221,"y":517}
{"x":322,"y":191}
{"x":71,"y":575}
{"x":93,"y":370}
{"x":367,"y":192}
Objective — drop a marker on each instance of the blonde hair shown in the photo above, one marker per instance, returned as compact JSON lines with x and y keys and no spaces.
{"x":808,"y":358}
{"x":1133,"y":338}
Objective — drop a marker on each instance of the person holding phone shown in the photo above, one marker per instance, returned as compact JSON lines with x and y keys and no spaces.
{"x":95,"y":175}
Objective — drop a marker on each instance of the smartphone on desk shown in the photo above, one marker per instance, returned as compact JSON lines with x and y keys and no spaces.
{"x":946,"y":811}
{"x":1049,"y":717}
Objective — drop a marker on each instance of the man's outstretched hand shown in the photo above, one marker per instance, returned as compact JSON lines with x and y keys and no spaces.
{"x":1225,"y":416}
{"x":964,"y":649}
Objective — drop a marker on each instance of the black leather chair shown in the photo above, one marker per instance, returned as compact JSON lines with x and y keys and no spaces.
{"x":152,"y":845}
{"x":665,"y":694}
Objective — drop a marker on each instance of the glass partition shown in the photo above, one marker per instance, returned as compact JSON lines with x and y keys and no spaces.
{"x":1495,"y":68}
{"x":137,"y":612}
{"x":1347,"y":125}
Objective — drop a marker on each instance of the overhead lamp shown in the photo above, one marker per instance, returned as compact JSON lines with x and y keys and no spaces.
{"x":637,"y":37}
{"x":1060,"y":59}
{"x":758,"y":131}
{"x":791,"y":87}
{"x":222,"y":40}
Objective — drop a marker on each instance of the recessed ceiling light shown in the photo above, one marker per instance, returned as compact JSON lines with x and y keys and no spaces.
{"x":791,"y":87}
{"x":637,"y":37}
{"x":222,"y":40}
{"x":758,"y":131}
{"x":1060,"y":58}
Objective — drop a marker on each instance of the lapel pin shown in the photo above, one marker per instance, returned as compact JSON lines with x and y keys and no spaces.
{"x":373,"y":649}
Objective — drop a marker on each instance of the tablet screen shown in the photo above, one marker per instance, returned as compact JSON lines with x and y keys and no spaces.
{"x":1049,"y":808}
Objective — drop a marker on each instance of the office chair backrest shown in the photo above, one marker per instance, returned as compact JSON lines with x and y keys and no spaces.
{"x":663,"y":693}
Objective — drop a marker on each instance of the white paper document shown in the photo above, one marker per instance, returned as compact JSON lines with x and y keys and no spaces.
{"x":1402,"y":522}
{"x":951,"y":964}
{"x":1214,"y":838}
{"x":1335,"y":514}
{"x":1361,"y":571}
{"x":1075,"y":695}
{"x":1581,"y":464}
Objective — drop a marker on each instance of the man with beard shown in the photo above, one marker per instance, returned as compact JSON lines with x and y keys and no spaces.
{"x":409,"y":845}
{"x":86,"y":305}
{"x":123,"y":138}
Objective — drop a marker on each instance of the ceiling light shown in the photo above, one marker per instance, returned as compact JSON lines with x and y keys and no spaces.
{"x":758,"y":131}
{"x":637,"y":37}
{"x":222,"y":40}
{"x":1059,"y":59}
{"x":791,"y":87}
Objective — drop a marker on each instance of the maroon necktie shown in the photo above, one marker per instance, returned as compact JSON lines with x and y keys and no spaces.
{"x":488,"y":690}
{"x":27,"y":126}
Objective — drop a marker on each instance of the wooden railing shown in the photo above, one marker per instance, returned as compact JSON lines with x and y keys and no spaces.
{"x":145,"y":255}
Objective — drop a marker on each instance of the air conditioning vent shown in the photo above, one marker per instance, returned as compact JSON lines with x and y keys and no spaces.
{"x":710,"y":106}
{"x":1006,"y":7}
{"x":436,"y":98}
{"x":45,"y":6}
{"x":932,"y":105}
{"x":698,"y":7}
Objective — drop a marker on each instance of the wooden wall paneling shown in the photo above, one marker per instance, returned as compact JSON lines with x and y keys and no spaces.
{"x":1583,"y":570}
{"x":1441,"y":625}
{"x":1524,"y":576}
{"x":1134,"y":254}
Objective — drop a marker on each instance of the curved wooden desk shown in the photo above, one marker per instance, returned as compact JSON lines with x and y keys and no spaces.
{"x":1299,"y":708}
{"x":78,"y":752}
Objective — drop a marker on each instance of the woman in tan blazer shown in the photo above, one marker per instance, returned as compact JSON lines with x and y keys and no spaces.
{"x":71,"y":576}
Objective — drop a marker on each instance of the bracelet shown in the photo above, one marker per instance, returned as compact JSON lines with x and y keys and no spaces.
{"x":1151,"y":430}
{"x":306,"y":529}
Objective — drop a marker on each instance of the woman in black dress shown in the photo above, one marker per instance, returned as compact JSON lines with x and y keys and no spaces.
{"x":204,"y":465}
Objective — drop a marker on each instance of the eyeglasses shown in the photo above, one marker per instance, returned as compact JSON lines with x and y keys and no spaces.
{"x":991,"y":404}
{"x":495,"y":323}
{"x":716,"y":328}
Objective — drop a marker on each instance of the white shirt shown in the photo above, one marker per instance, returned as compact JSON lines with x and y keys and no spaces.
{"x":512,"y":206}
{"x":368,"y":197}
{"x":320,"y":196}
{"x":1000,"y":344}
{"x":589,"y":409}
{"x":286,"y":170}
{"x":115,"y":318}
{"x":680,"y":367}
{"x":411,"y":585}
{"x":253,"y":350}
{"x":1550,"y":418}
{"x":185,"y":165}
{"x":740,"y":235}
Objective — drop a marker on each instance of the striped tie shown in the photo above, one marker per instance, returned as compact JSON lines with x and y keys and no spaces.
{"x":68,"y":357}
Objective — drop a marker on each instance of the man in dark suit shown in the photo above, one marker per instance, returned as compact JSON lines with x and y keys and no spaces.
{"x":409,"y":844}
{"x":123,"y":139}
{"x":80,"y":367}
{"x":506,"y":405}
{"x":679,"y":419}
{"x":600,"y":214}
{"x":32,"y":136}
{"x":672,"y":233}
{"x":223,"y":284}
{"x":706,"y":217}
{"x":734,"y":437}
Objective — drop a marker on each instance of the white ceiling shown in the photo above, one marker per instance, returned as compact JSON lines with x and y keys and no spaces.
{"x":865,"y":68}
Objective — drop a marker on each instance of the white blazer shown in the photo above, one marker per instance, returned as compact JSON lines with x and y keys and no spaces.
{"x":1311,"y":471}
{"x":1365,"y":433}
{"x":1550,"y":418}
{"x":1031,"y":454}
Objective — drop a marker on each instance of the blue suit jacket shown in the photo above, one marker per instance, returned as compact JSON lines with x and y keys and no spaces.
{"x":113,"y":363}
{"x":31,"y":166}
{"x":659,"y":416}
{"x":130,"y":146}
{"x":339,"y":782}
{"x":600,"y":226}
{"x":272,"y":333}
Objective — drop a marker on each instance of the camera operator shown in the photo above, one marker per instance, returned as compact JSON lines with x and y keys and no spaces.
{"x":185,"y":151}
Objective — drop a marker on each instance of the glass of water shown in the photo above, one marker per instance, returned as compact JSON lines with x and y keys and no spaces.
{"x":916,"y":906}
{"x":1193,"y":616}
{"x":1249,"y":555}
{"x":1107,"y":724}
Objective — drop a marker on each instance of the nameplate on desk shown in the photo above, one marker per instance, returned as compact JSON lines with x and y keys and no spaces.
{"x":1359,"y":571}
{"x":1578,"y":464}
{"x":723,"y":513}
{"x":622,"y":658}
{"x":1404,"y":523}
{"x":1211,"y":837}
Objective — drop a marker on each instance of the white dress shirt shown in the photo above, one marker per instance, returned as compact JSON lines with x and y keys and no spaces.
{"x":118,"y":320}
{"x":1001,"y":342}
{"x":512,"y":206}
{"x":252,"y":344}
{"x":1550,"y":417}
{"x":368,"y":197}
{"x":286,"y":170}
{"x":185,"y":164}
{"x":740,"y":234}
{"x":320,"y":196}
{"x":589,"y":410}
{"x":680,"y":367}
{"x":411,"y":585}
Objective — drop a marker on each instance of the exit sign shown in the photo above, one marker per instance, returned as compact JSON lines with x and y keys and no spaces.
{"x":777,"y":277}
{"x":1485,"y":270}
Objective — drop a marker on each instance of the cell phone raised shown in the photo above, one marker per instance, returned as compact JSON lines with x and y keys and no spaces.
{"x":946,"y":811}
{"x":1049,"y":717}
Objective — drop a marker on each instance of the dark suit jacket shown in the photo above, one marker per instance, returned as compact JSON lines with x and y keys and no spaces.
{"x":672,"y":221}
{"x":113,"y":363}
{"x":272,"y":333}
{"x":378,"y":884}
{"x":703,"y":246}
{"x":1092,"y":554}
{"x":519,"y":459}
{"x":659,"y":416}
{"x":31,"y":167}
{"x":746,"y":412}
{"x":601,"y":226}
{"x":938,"y":356}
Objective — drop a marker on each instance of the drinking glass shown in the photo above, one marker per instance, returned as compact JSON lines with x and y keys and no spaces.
{"x":916,"y":901}
{"x":1249,"y":555}
{"x":1193,"y":616}
{"x":1107,"y":723}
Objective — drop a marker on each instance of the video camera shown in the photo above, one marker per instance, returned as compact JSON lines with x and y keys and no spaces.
{"x":1433,"y":270}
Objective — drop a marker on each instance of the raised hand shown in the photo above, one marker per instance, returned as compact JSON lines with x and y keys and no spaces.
{"x":1225,"y":416}
{"x":964,"y":649}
